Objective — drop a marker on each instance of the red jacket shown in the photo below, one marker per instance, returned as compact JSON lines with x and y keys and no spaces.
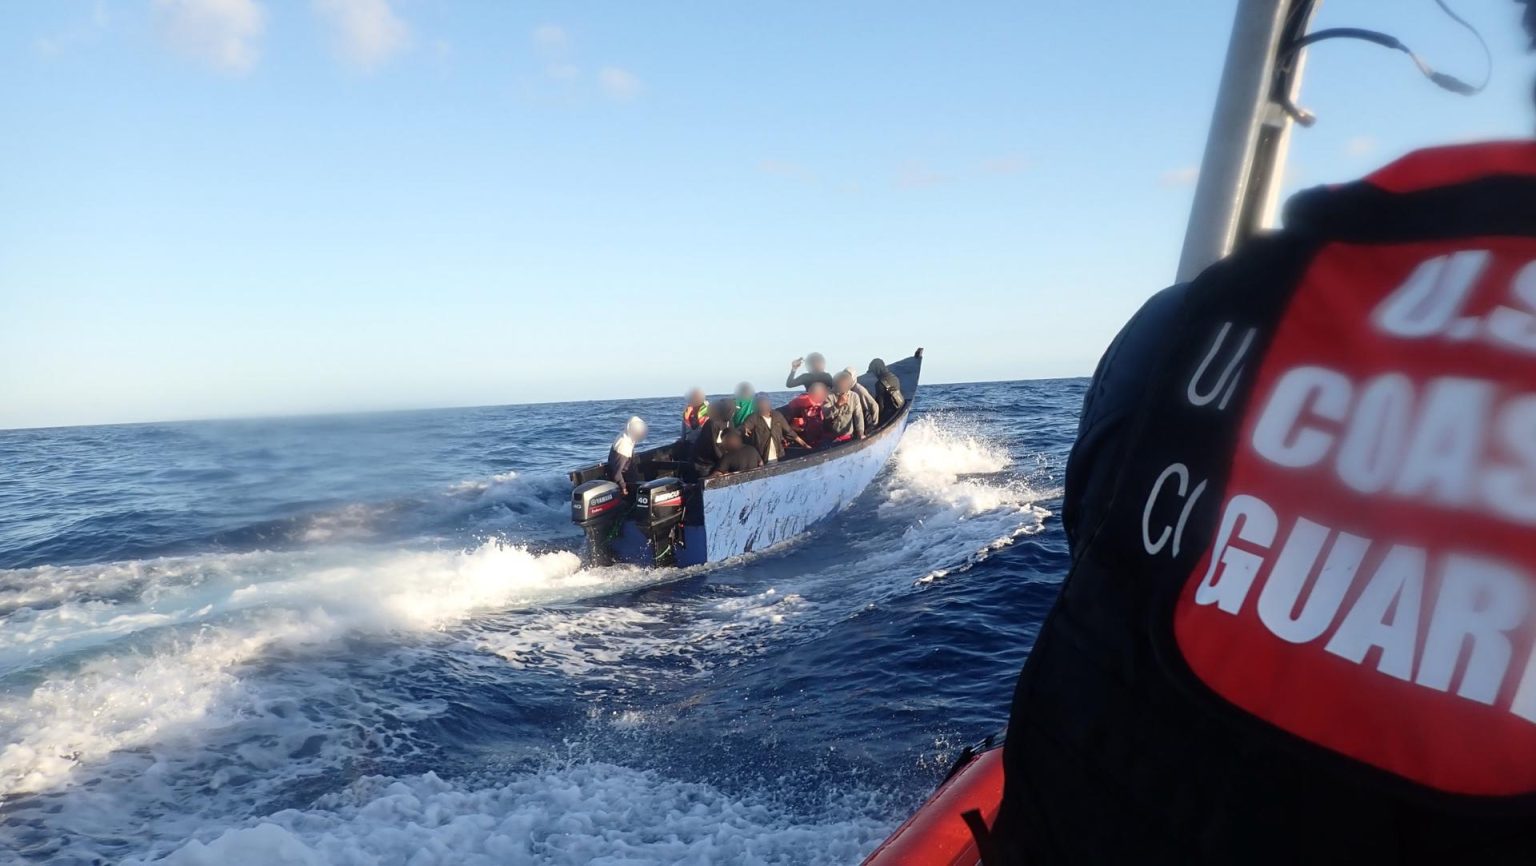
{"x":804,"y":414}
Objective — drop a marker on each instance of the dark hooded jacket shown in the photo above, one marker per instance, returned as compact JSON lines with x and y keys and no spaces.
{"x":887,"y":388}
{"x":1118,"y":751}
{"x":707,"y":449}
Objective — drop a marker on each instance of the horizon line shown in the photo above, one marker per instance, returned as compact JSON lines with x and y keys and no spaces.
{"x":282,"y":416}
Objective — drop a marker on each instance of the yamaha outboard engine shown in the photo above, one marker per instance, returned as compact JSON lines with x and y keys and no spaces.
{"x":596,"y":506}
{"x":659,"y":516}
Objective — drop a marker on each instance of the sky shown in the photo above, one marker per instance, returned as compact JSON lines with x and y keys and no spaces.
{"x":249,"y":207}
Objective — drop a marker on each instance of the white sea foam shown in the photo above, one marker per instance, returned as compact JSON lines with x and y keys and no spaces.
{"x":944,"y":445}
{"x":129,"y":700}
{"x":357,"y":521}
{"x":580,"y":643}
{"x":49,"y":585}
{"x":429,"y":589}
{"x":481,"y":485}
{"x":952,"y":484}
{"x":185,"y":677}
{"x":586,"y":813}
{"x":627,"y":643}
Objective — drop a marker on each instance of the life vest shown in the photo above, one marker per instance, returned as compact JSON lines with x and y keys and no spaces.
{"x":1304,"y":630}
{"x":694,"y":417}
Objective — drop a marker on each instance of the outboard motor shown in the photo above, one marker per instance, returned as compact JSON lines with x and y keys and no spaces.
{"x":659,"y":516}
{"x":596,"y":506}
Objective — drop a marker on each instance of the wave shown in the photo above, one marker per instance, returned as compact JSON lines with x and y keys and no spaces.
{"x":959,"y":490}
{"x":176,"y":641}
{"x":508,"y":501}
{"x":627,"y":645}
{"x":573,"y":814}
{"x":530,"y":505}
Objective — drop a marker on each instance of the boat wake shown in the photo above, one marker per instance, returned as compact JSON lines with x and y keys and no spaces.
{"x":124,"y":653}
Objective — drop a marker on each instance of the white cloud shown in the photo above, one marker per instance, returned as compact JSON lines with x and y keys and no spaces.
{"x":550,"y":36}
{"x":223,"y":33}
{"x":784,"y":168}
{"x":619,"y":83}
{"x":564,"y":76}
{"x":562,"y":71}
{"x":1011,"y":164}
{"x":554,"y":47}
{"x":367,"y":32}
{"x":1360,"y":145}
{"x":914,"y":174}
{"x":81,"y":34}
{"x":1178,"y":177}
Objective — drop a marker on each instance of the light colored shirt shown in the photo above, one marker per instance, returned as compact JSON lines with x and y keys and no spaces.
{"x":624,"y":445}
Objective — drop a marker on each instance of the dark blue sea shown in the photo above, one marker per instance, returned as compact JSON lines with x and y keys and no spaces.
{"x":369,"y":639}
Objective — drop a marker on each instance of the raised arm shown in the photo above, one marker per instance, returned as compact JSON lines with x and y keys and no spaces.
{"x":793,"y":381}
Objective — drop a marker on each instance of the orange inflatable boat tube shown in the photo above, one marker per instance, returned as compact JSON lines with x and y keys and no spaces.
{"x":936,"y":835}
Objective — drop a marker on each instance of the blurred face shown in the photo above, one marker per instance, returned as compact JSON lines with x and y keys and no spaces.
{"x":695,"y":397}
{"x":844,"y":383}
{"x":818,"y":363}
{"x":818,"y":389}
{"x":764,"y":407}
{"x":732,"y":440}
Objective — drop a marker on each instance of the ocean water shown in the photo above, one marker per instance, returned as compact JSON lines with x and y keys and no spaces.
{"x":370,"y":640}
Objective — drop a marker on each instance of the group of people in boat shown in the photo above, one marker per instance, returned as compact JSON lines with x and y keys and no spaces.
{"x":746,"y":430}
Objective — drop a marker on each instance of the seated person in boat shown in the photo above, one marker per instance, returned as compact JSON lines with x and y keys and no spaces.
{"x":843,"y":414}
{"x":738,"y":456}
{"x":745,"y":395}
{"x":804,"y":414}
{"x":694,"y":413}
{"x":768,"y":432}
{"x":887,"y":388}
{"x":818,"y":372}
{"x":870,"y":404}
{"x":708,"y":446}
{"x":621,"y":469}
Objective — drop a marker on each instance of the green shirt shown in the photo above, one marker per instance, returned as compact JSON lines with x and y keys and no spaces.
{"x":744,"y":409}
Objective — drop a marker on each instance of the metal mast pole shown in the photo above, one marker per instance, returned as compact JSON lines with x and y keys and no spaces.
{"x":1250,"y":130}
